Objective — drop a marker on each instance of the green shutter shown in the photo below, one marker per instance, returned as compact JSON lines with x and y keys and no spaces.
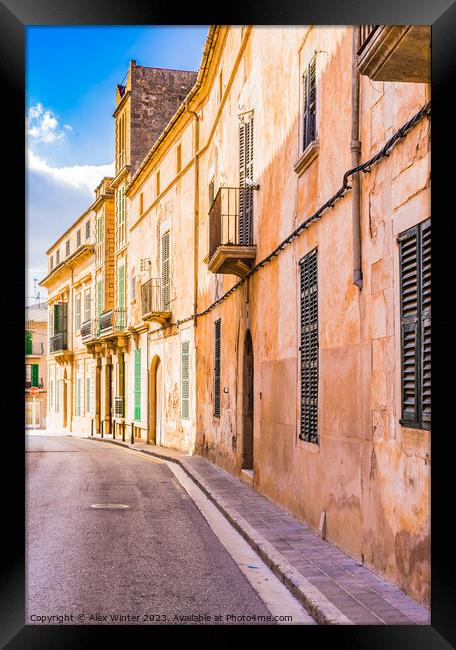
{"x":185,"y":380}
{"x":28,"y":343}
{"x":35,"y":380}
{"x":137,"y":359}
{"x":99,"y":297}
{"x":56,"y":318}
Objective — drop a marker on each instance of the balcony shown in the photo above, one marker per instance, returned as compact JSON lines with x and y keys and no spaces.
{"x":395,"y":53}
{"x":58,"y":343}
{"x":231,"y":246}
{"x":155,"y":301}
{"x":89,"y":330}
{"x":111,"y":323}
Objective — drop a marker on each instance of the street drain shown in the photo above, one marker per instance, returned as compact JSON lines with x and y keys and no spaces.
{"x":109,"y":506}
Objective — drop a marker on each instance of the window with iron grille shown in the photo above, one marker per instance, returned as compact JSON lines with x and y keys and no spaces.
{"x":185,"y":380}
{"x":309,"y":89}
{"x":87,"y":233}
{"x":217,"y":354}
{"x":309,"y":347}
{"x":245,"y":222}
{"x":415,"y":303}
{"x":166,"y":282}
{"x":67,"y":248}
{"x":78,"y":238}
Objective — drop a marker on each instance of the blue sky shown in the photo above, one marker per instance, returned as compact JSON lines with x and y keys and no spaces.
{"x":71,"y":75}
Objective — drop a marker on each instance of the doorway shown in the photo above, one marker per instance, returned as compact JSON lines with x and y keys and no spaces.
{"x":247,"y":403}
{"x":156,"y":398}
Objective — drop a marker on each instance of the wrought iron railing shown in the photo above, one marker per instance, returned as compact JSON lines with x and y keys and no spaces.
{"x":89,"y":329}
{"x":366,"y":33}
{"x":231,"y":218}
{"x":58,"y":342}
{"x":105,"y":322}
{"x":153,"y":298}
{"x":120,"y":320}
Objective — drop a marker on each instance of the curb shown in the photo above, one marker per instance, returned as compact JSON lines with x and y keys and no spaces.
{"x":316,"y":604}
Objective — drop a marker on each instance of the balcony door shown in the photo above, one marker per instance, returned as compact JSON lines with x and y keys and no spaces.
{"x":247,"y":404}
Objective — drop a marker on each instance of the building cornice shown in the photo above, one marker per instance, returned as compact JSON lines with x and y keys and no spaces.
{"x":82,"y":251}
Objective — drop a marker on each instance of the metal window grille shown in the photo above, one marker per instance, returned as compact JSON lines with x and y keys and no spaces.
{"x":309,"y":348}
{"x":415,"y":301}
{"x":185,"y":380}
{"x":217,"y":355}
{"x":310,"y":103}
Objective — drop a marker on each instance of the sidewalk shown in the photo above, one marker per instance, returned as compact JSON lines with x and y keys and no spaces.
{"x":332,"y":586}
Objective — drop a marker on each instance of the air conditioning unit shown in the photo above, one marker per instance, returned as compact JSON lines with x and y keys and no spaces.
{"x":119,"y":407}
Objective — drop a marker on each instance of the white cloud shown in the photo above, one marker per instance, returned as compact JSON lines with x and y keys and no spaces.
{"x":43,"y":125}
{"x":84,"y":177}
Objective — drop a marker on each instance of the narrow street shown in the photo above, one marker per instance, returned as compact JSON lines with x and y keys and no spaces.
{"x":155,"y":561}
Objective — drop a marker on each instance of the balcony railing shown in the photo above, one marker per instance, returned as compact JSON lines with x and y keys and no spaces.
{"x":366,"y":32}
{"x":105,"y":322}
{"x":89,"y":330}
{"x":231,"y":245}
{"x":155,"y":300}
{"x":120,"y":320}
{"x":58,"y":342}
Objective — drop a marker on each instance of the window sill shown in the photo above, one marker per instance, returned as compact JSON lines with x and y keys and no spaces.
{"x":308,"y":156}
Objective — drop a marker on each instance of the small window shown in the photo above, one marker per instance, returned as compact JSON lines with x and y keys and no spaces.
{"x":415,"y":303}
{"x":57,"y":256}
{"x":67,"y":248}
{"x":178,"y":158}
{"x":217,"y":351}
{"x":309,"y":89}
{"x":78,"y":238}
{"x":158,"y":183}
{"x":52,"y":262}
{"x":87,"y":234}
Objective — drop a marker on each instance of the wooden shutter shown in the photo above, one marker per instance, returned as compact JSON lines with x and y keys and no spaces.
{"x":217,"y":355}
{"x":425,"y":259}
{"x":78,"y":311}
{"x":87,"y":298}
{"x":409,"y":299}
{"x":56,"y":320}
{"x":28,"y":342}
{"x":310,"y":103}
{"x":185,"y":380}
{"x":121,"y":296}
{"x":137,"y":404}
{"x":165,"y":271}
{"x":309,"y":348}
{"x":35,"y":378}
{"x":245,"y":221}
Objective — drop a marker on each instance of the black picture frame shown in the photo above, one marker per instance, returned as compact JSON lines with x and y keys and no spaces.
{"x":14,"y":16}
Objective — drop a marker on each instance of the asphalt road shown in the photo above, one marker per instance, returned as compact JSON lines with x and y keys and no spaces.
{"x":149,"y":563}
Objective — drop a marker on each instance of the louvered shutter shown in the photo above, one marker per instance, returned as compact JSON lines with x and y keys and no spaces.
{"x":28,"y":342}
{"x":241,"y":220}
{"x":217,"y":354}
{"x":99,"y":297}
{"x":137,"y":403}
{"x":310,"y":103}
{"x":185,"y":380}
{"x":56,"y":318}
{"x":35,"y":370}
{"x":245,"y":223}
{"x":121,"y":296}
{"x":309,"y":347}
{"x":409,"y":298}
{"x":425,"y":258}
{"x":165,"y":271}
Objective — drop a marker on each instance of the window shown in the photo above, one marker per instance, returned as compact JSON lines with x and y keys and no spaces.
{"x":52,"y":262}
{"x":178,"y":158}
{"x":78,"y":238}
{"x":121,"y":205}
{"x":121,"y":297}
{"x":185,"y":380}
{"x":87,"y":301}
{"x":217,"y":345}
{"x":415,"y":303}
{"x":31,"y":375}
{"x":137,"y":390}
{"x":67,"y":247}
{"x":157,"y":181}
{"x":133,"y":288}
{"x":165,"y":271}
{"x":78,"y":396}
{"x":245,"y":223}
{"x":57,"y":256}
{"x":77,"y":311}
{"x":87,"y":229}
{"x":99,"y":297}
{"x":211,"y":191}
{"x":309,"y":89}
{"x":28,"y":342}
{"x":99,"y":236}
{"x":309,"y":347}
{"x":87,"y":395}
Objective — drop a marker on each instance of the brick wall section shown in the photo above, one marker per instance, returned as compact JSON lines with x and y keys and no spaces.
{"x":156,"y":94}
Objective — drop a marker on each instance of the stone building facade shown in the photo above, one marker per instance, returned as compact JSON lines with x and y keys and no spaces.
{"x":36,"y":342}
{"x":275,"y":311}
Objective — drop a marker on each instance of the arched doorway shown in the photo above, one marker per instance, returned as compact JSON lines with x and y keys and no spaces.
{"x":247,"y":403}
{"x":156,"y":396}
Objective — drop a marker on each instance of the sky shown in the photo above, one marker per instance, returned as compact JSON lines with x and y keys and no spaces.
{"x":71,"y":77}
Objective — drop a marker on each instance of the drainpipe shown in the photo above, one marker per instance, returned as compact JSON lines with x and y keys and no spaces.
{"x":355,"y":147}
{"x":195,"y":247}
